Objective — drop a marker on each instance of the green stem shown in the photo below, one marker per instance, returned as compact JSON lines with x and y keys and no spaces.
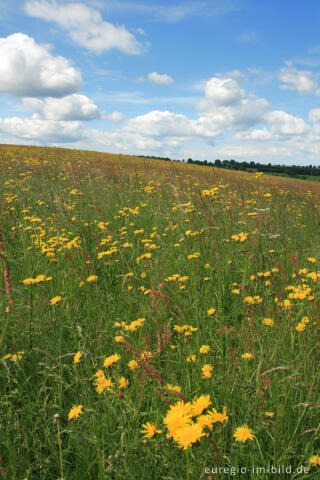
{"x":187,"y":458}
{"x":31,"y":314}
{"x":60,"y":451}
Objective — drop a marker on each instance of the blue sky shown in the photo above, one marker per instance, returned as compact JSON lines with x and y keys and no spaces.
{"x":203,"y":79}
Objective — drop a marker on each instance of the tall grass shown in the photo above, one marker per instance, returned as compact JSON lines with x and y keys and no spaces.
{"x":206,"y":257}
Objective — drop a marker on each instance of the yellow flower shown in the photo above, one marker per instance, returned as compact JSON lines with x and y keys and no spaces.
{"x":76,"y":358}
{"x":205,"y":349}
{"x":118,"y":338}
{"x":312,"y":260}
{"x":205,"y":421}
{"x":149,"y":430}
{"x":123,"y":383}
{"x":253,"y":300}
{"x":301,"y":327}
{"x":102,"y":383}
{"x":146,"y":356}
{"x":75,"y":411}
{"x":211,"y":311}
{"x":192,"y":358}
{"x":92,"y":278}
{"x":188,"y":435}
{"x":243,"y":433}
{"x":218,"y":417}
{"x":111,"y":359}
{"x":28,"y":281}
{"x":146,"y":256}
{"x":178,"y":416}
{"x":40,"y":278}
{"x":207,"y":371}
{"x":200,"y":404}
{"x":133,"y":364}
{"x":173,"y":388}
{"x":194,"y":255}
{"x":269,"y":414}
{"x":315,"y":460}
{"x":269,"y":322}
{"x":247,"y":356}
{"x":55,"y":300}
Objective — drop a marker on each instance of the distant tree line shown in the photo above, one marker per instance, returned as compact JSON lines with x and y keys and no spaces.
{"x":290,"y":170}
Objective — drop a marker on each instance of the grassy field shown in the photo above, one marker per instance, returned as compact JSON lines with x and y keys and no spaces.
{"x":158,"y":320}
{"x":308,"y":178}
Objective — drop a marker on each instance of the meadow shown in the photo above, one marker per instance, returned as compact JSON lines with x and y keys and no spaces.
{"x":158,"y":320}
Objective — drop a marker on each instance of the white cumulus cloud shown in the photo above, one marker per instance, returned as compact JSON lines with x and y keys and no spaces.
{"x":167,"y":124}
{"x":116,"y":117}
{"x":300,"y":80}
{"x":235,"y":74}
{"x":258,"y":134}
{"x":72,"y":107}
{"x":224,"y":91}
{"x":85,"y":26}
{"x":44,"y":131}
{"x":282,"y":123}
{"x":29,"y":70}
{"x":228,"y":106}
{"x":162,"y":79}
{"x":154,"y":77}
{"x":314,"y":115}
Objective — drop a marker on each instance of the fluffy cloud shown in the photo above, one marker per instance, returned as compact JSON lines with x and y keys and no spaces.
{"x":314,"y":115}
{"x":299,"y":80}
{"x":235,"y":74}
{"x":285,"y":124}
{"x":161,"y":124}
{"x":154,"y":77}
{"x":72,"y":107}
{"x":116,"y":117}
{"x":167,"y":124}
{"x":85,"y":26}
{"x":260,"y":134}
{"x":227,"y":106}
{"x":44,"y":131}
{"x":240,"y":124}
{"x":162,"y":79}
{"x":29,"y":70}
{"x":224,"y":91}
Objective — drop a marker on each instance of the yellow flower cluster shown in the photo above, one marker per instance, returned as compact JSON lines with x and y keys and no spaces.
{"x":240,"y":237}
{"x":187,"y":330}
{"x":131,"y":327}
{"x":253,"y":300}
{"x":38,"y":279}
{"x":186,"y":424}
{"x":14,"y":356}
